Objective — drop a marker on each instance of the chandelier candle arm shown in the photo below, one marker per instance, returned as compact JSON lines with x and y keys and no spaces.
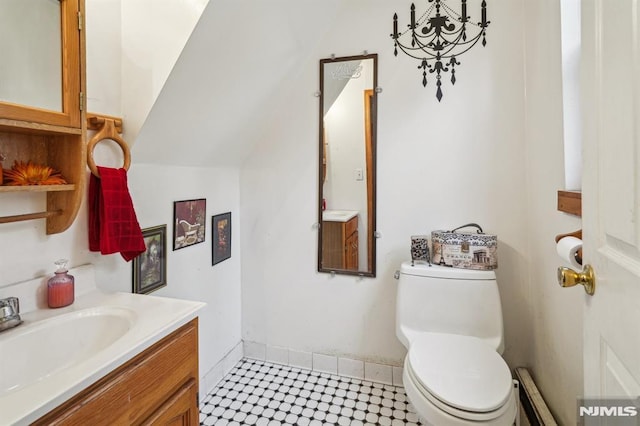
{"x":413,"y":17}
{"x":395,"y":27}
{"x":484,"y":15}
{"x":463,"y":16}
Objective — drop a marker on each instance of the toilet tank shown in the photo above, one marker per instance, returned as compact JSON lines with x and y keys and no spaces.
{"x":440,"y":299}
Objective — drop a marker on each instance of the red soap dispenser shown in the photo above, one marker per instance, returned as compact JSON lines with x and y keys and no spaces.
{"x":60,"y":287}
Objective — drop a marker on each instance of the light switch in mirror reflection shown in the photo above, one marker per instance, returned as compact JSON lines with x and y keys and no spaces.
{"x":347,"y":165}
{"x":31,"y":46}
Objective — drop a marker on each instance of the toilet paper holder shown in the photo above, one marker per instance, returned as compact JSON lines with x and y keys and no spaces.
{"x":576,"y":234}
{"x":567,"y":277}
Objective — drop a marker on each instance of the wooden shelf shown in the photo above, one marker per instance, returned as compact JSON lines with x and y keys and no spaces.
{"x":38,"y":188}
{"x":63,"y":152}
{"x":30,"y":216}
{"x":27,"y":127}
{"x":570,"y":202}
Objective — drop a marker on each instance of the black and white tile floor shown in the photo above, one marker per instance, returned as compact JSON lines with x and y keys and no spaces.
{"x":261,"y":393}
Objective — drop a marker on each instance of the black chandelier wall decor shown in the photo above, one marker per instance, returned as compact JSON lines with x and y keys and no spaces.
{"x":436,"y":41}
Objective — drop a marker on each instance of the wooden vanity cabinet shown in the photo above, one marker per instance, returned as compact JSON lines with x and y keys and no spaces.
{"x":340,"y":244}
{"x":157,"y":387}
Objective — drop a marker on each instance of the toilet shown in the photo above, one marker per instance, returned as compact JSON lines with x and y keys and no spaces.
{"x":450,"y":321}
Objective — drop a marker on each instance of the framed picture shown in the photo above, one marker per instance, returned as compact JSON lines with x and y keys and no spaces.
{"x":150,"y":268}
{"x":188,"y":222}
{"x":221,"y":245}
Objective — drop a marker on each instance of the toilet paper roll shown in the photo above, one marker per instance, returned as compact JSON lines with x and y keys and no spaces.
{"x":567,"y":248}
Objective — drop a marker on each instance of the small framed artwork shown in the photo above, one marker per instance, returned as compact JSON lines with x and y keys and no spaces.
{"x":188,"y":222}
{"x":221,"y":245}
{"x":150,"y":268}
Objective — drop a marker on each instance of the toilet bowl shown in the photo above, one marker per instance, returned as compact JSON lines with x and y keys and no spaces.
{"x":458,"y":380}
{"x":451,"y":323}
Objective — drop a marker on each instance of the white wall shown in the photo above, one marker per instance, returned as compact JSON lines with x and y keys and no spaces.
{"x":190,"y":273}
{"x":104,"y":56}
{"x":556,"y":341}
{"x":131,"y":50}
{"x":134,"y":50}
{"x":472,"y":157}
{"x":153,"y":36}
{"x":439,"y":165}
{"x":26,"y":252}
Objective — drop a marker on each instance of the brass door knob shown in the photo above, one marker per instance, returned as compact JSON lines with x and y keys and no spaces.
{"x":568,"y":278}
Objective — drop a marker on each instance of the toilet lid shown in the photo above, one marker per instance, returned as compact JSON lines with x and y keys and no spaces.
{"x":461,"y":371}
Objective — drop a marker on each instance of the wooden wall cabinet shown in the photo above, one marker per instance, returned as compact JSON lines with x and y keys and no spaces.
{"x":157,"y":387}
{"x":53,"y":138}
{"x":340,"y":244}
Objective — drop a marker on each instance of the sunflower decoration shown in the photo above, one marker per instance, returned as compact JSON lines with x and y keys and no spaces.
{"x":28,"y":173}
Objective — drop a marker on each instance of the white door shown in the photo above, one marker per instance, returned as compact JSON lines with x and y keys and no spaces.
{"x":611,"y":195}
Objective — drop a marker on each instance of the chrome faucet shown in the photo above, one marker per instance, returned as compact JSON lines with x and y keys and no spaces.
{"x":9,"y":313}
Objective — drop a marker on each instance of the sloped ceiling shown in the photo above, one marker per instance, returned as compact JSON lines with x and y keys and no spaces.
{"x":212,"y":109}
{"x":153,"y":34}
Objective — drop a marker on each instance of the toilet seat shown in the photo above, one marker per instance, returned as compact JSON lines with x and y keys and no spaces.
{"x":460,"y":375}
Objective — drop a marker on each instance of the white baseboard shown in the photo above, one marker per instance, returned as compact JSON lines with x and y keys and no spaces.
{"x":217,"y":373}
{"x":349,"y":367}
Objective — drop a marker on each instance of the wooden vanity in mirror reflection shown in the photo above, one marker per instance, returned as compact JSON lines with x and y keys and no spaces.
{"x":340,"y":239}
{"x":347,"y":159}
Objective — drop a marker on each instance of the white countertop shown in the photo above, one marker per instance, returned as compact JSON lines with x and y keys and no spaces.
{"x":338,"y":215}
{"x":155,"y":318}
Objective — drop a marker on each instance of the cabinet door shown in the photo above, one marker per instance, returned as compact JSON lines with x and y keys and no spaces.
{"x":138,"y":389}
{"x":69,"y":113}
{"x":179,"y":410}
{"x":351,"y":251}
{"x":332,"y":245}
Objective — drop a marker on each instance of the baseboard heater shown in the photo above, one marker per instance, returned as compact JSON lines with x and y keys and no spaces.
{"x":535,"y":408}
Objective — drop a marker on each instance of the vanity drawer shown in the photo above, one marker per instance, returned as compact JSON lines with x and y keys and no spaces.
{"x":139,"y":389}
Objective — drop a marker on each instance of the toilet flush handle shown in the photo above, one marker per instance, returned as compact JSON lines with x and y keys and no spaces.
{"x":396,"y":275}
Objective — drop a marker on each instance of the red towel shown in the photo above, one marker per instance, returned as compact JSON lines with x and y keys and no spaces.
{"x":113,"y":225}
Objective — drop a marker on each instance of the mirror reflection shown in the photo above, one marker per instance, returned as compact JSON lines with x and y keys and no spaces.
{"x":31,"y":46}
{"x":347,"y":165}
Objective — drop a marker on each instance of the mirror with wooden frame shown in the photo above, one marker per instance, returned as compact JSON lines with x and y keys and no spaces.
{"x":40,"y":75}
{"x":42,"y":117}
{"x":347,"y":165}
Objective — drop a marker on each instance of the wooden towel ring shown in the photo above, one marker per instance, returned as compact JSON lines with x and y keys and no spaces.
{"x":108,"y":131}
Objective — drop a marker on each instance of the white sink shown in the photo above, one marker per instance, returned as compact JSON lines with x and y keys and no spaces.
{"x":338,"y":215}
{"x":56,"y":353}
{"x":32,"y":352}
